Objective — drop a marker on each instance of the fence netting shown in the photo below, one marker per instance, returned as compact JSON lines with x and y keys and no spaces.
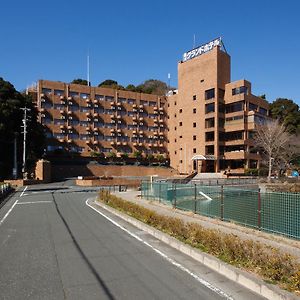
{"x":270,"y":211}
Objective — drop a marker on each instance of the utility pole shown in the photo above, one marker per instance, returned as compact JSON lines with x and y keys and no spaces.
{"x":15,"y":169}
{"x":25,"y":109}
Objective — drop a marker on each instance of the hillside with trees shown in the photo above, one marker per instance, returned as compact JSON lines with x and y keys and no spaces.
{"x":11,"y":115}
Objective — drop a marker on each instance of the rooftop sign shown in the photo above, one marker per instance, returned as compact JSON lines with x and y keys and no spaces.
{"x":201,"y":49}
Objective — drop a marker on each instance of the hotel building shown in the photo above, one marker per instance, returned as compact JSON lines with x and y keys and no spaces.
{"x":211,"y":120}
{"x":86,"y":119}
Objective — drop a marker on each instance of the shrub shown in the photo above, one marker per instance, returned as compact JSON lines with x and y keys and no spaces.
{"x":270,"y":263}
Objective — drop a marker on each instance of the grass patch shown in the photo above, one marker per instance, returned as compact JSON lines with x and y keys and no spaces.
{"x":271,"y":264}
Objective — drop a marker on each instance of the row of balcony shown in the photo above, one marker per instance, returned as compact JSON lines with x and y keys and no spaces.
{"x":116,"y":143}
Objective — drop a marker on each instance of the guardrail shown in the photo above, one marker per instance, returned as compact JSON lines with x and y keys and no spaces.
{"x":5,"y":189}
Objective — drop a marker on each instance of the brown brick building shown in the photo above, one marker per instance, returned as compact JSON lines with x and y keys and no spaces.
{"x":210,"y":119}
{"x":83,"y":119}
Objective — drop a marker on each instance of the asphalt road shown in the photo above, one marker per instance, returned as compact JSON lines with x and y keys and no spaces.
{"x":53,"y":246}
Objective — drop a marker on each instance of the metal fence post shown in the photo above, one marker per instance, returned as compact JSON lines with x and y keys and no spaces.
{"x":222,"y":202}
{"x":259,"y":210}
{"x":159,"y":191}
{"x":195,"y":198}
{"x":174,"y":189}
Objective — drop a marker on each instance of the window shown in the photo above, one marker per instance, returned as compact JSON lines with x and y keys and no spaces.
{"x":252,"y":106}
{"x":194,"y":110}
{"x":209,"y":136}
{"x":209,"y":123}
{"x":209,"y":108}
{"x":180,"y":110}
{"x":175,"y":140}
{"x":194,"y":124}
{"x":240,"y":90}
{"x":195,"y":97}
{"x":180,"y":161}
{"x":175,"y":103}
{"x":59,"y":92}
{"x":237,"y":119}
{"x":194,"y":137}
{"x":175,"y":152}
{"x":234,"y":135}
{"x":263,"y":111}
{"x":209,"y":94}
{"x":99,"y":97}
{"x":202,"y":80}
{"x":84,"y":95}
{"x":73,"y":94}
{"x":180,"y":123}
{"x":46,"y":91}
{"x":233,"y":107}
{"x":175,"y":128}
{"x":194,"y":150}
{"x":175,"y":115}
{"x":210,"y":150}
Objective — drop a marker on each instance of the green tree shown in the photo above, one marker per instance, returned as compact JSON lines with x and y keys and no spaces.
{"x":153,"y":86}
{"x":131,"y":87}
{"x":111,"y":84}
{"x":80,"y":81}
{"x":287,"y":112}
{"x":11,"y":117}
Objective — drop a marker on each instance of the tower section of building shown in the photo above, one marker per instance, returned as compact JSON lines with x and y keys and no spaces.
{"x":211,"y":119}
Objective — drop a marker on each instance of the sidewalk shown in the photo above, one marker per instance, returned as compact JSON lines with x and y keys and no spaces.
{"x":284,"y":244}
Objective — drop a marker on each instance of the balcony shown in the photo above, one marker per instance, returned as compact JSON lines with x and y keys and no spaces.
{"x":119,"y":117}
{"x":134,"y":132}
{"x":112,"y":143}
{"x":161,"y":121}
{"x":141,"y":106}
{"x":70,"y":98}
{"x":119,"y":103}
{"x":62,"y":97}
{"x":95,"y":142}
{"x":161,"y":109}
{"x":161,"y":134}
{"x":88,"y":100}
{"x":155,"y":108}
{"x":155,"y":133}
{"x":42,"y":110}
{"x":134,"y":106}
{"x":141,"y":132}
{"x":43,"y":96}
{"x":140,"y":144}
{"x":61,"y":140}
{"x":119,"y":130}
{"x":135,"y":144}
{"x":69,"y":112}
{"x":69,"y":141}
{"x":155,"y":120}
{"x":95,"y":101}
{"x":62,"y":111}
{"x":62,"y":127}
{"x":134,"y":118}
{"x":124,"y":143}
{"x":155,"y":145}
{"x":95,"y":115}
{"x":88,"y":142}
{"x":161,"y":145}
{"x":119,"y":143}
{"x":141,"y":119}
{"x":112,"y":103}
{"x":70,"y":127}
{"x":112,"y":130}
{"x":150,"y":145}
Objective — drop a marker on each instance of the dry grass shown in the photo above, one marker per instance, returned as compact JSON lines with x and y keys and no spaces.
{"x":270,"y":263}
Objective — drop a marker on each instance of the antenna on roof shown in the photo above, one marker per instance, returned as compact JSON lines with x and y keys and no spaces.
{"x":169,"y":78}
{"x":88,"y":68}
{"x":223,"y":45}
{"x":194,"y":45}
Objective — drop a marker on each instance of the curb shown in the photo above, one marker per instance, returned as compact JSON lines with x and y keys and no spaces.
{"x":241,"y":277}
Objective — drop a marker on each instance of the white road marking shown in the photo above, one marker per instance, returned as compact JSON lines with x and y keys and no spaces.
{"x":170,"y":260}
{"x":24,"y":191}
{"x":12,"y":207}
{"x":204,"y":195}
{"x":34,"y":202}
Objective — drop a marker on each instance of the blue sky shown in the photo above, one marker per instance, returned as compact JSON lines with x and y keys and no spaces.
{"x":131,"y":41}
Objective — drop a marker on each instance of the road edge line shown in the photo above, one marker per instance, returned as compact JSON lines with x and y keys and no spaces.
{"x":239,"y":276}
{"x":170,"y":260}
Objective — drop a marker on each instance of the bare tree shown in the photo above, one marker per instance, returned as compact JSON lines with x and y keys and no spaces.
{"x":274,"y":142}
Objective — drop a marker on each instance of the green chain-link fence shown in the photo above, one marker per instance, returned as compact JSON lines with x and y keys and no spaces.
{"x":271,"y":212}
